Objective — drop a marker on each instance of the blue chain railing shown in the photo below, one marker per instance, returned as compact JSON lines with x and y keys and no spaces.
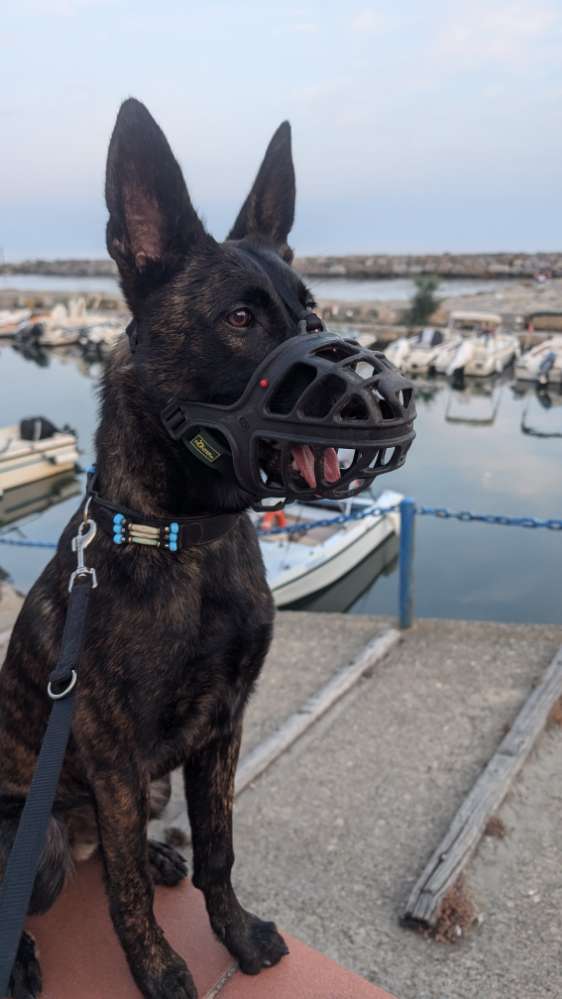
{"x":408,"y":512}
{"x":27,"y":543}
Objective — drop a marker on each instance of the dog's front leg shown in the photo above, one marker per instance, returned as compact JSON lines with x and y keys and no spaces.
{"x":209,"y":783}
{"x":122,"y":810}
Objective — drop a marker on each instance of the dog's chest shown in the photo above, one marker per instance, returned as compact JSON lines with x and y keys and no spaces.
{"x":206,"y":703}
{"x":201,"y":682}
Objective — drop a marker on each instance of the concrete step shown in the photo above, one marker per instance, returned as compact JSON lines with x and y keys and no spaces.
{"x":82,"y":959}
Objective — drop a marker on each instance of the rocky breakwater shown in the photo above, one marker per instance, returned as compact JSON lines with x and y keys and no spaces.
{"x":368,"y":265}
{"x":61,"y":268}
{"x":445,"y":265}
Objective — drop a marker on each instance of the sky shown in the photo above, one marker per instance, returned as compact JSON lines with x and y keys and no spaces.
{"x":417,"y":127}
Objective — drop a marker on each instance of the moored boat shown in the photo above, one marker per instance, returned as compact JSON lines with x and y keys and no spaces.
{"x":99,"y":337}
{"x":430,"y":351}
{"x":485,"y":348}
{"x":66,"y":325}
{"x":300,"y":565}
{"x":11,"y":320}
{"x":397,"y":351}
{"x":33,"y":450}
{"x":541,"y":364}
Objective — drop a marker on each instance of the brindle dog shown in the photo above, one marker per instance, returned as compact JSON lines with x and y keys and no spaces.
{"x":174,"y":642}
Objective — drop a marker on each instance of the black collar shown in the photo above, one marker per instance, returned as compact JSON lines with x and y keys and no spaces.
{"x":126,"y":526}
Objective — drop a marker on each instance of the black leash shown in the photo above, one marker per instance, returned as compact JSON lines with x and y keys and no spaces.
{"x":23,"y":862}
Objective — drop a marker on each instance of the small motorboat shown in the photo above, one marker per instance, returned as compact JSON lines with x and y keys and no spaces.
{"x":301,"y":565}
{"x":485,"y":348}
{"x":541,"y":364}
{"x":430,"y":351}
{"x":397,"y":351}
{"x":99,"y":337}
{"x":59,"y":328}
{"x":63,"y":326}
{"x":33,"y":450}
{"x":11,"y":320}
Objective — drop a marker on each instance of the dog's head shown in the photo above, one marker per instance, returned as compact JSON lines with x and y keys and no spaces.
{"x":207,"y":313}
{"x":209,"y":307}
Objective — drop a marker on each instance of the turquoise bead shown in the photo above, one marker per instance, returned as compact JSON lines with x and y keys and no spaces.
{"x":118,"y":538}
{"x":173,"y":546}
{"x":174,"y":528}
{"x":118,"y":518}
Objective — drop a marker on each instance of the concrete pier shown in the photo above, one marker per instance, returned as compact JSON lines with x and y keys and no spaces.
{"x":330,"y":839}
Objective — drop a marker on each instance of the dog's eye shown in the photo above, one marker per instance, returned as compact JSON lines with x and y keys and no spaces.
{"x":240,"y":318}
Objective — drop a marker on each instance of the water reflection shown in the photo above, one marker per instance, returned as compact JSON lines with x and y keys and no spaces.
{"x":34,"y":497}
{"x":89,"y":363}
{"x":542,"y":413}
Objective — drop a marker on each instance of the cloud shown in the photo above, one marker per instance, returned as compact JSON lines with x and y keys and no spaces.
{"x":501,"y":33}
{"x":370,"y":21}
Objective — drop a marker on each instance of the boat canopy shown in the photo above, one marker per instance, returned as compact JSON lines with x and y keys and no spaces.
{"x":474,"y":320}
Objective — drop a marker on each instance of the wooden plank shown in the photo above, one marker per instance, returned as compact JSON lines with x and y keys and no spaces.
{"x":258,"y":759}
{"x":487,"y":794}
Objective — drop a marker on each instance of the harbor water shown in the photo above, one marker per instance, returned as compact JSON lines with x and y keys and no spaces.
{"x":348,"y":289}
{"x":491,"y":448}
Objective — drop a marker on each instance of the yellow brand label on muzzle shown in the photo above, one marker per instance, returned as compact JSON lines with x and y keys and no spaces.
{"x":205,"y":449}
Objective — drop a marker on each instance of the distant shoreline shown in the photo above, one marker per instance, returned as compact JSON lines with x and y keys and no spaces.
{"x":357,"y":266}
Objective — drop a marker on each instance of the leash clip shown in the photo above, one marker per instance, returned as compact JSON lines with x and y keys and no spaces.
{"x":86,"y":533}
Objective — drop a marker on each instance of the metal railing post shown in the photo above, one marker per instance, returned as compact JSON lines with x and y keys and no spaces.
{"x":406,"y":582}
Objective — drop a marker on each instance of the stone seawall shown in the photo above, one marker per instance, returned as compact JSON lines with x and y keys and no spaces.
{"x":451,"y":265}
{"x":457,"y":265}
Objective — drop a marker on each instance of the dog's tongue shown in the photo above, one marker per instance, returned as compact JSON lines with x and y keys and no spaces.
{"x":303,"y":459}
{"x":331,"y":465}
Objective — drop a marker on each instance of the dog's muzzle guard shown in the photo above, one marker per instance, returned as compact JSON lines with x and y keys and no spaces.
{"x":312,"y":395}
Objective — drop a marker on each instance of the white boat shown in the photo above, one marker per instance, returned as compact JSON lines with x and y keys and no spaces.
{"x":33,"y":450}
{"x":58,"y":328}
{"x":298,"y":566}
{"x":11,"y":320}
{"x":65,"y":325}
{"x":485,"y":348}
{"x":99,"y":336}
{"x":542,"y":364}
{"x":397,"y":351}
{"x":431,"y":350}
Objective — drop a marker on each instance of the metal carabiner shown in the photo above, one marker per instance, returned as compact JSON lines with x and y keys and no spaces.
{"x":87,"y":530}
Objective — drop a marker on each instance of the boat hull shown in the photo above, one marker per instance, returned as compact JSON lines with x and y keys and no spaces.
{"x":297,"y":571}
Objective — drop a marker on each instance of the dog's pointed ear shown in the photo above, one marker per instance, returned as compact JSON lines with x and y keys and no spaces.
{"x":269,"y":209}
{"x":152,"y":224}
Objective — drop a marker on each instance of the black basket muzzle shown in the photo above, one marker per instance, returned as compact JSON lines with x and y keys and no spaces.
{"x":315,"y":391}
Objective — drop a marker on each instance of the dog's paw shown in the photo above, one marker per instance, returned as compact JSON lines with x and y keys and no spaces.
{"x":167,"y":865}
{"x":255,"y":943}
{"x":25,"y":982}
{"x":175,"y":982}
